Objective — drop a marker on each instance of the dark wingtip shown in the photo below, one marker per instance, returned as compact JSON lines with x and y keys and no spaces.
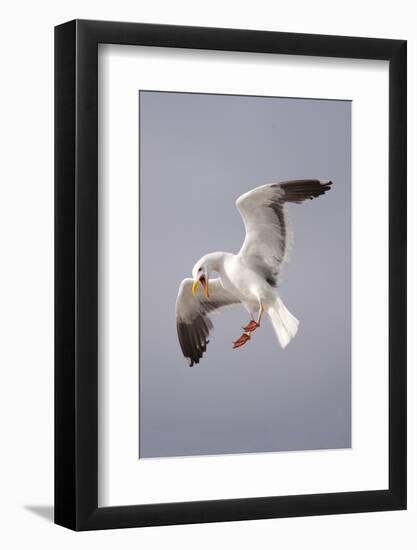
{"x":297,"y":191}
{"x":325,"y":185}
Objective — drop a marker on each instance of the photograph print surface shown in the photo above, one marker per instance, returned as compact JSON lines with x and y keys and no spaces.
{"x":245,"y":274}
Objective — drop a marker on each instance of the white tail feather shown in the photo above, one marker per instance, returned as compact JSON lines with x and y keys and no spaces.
{"x":284,"y":323}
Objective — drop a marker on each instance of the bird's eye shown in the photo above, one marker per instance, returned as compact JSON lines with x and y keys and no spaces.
{"x":199,"y":269}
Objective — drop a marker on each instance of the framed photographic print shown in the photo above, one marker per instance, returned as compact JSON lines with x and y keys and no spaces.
{"x":230,"y":252}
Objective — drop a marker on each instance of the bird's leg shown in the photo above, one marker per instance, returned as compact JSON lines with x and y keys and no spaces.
{"x":253,"y":325}
{"x":250,"y":327}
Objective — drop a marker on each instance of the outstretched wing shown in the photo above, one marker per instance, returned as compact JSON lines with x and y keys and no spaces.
{"x":264,"y":215}
{"x":193,"y":323}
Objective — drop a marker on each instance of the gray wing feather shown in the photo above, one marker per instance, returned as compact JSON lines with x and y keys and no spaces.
{"x":264,"y":214}
{"x":193,"y":323}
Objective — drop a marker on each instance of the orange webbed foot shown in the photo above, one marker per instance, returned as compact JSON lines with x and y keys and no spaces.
{"x":251,"y":326}
{"x":241,"y":341}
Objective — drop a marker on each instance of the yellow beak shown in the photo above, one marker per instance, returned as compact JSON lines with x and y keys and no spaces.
{"x":204,"y":284}
{"x":194,"y":287}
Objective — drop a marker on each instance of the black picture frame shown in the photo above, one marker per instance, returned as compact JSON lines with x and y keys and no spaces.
{"x":76,"y":272}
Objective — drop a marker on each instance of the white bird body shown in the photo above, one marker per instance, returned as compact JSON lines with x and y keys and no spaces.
{"x":243,"y":282}
{"x":248,"y":278}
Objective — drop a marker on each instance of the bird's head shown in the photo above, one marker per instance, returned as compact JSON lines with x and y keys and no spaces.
{"x":200,"y":275}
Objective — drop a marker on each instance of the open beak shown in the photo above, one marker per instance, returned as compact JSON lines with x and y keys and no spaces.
{"x":204,"y":283}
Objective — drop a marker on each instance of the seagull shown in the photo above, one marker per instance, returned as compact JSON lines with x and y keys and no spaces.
{"x":248,"y":278}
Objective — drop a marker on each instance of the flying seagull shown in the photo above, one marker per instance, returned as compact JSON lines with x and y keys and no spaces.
{"x":248,"y":278}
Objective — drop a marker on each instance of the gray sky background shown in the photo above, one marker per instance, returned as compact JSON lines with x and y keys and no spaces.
{"x":198,"y":153}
